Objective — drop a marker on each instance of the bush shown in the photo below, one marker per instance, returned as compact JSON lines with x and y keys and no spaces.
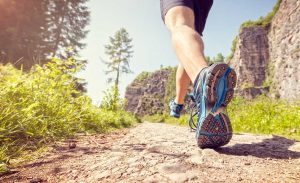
{"x":112,"y":101}
{"x":44,"y":104}
{"x":265,"y":115}
{"x":263,"y":21}
{"x":262,"y":115}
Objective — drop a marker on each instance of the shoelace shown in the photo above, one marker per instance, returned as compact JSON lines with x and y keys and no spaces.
{"x":193,"y":113}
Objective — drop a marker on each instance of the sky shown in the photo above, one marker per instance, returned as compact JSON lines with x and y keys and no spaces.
{"x":151,"y":40}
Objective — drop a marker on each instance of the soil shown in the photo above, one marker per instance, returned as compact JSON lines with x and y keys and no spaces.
{"x":156,"y":152}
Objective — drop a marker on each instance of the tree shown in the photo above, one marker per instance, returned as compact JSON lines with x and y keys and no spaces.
{"x":219,"y":58}
{"x":22,"y":26}
{"x":34,"y":30}
{"x":119,"y":51}
{"x":208,"y":60}
{"x":67,"y":22}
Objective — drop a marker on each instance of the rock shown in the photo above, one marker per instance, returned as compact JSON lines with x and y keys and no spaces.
{"x":284,"y":41}
{"x":250,"y":61}
{"x":247,"y":163}
{"x":148,"y":93}
{"x":36,"y":180}
{"x":270,"y":53}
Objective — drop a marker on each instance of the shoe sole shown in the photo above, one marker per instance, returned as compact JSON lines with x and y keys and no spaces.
{"x":216,"y":130}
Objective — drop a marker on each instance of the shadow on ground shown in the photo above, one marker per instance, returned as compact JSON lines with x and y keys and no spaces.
{"x":276,"y":147}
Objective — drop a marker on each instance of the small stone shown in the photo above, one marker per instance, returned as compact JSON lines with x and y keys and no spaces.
{"x":36,"y":180}
{"x":247,"y":163}
{"x":72,"y":145}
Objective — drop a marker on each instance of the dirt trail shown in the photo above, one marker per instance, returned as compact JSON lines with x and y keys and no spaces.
{"x":153,"y":152}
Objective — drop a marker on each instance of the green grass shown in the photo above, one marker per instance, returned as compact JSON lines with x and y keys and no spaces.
{"x":263,"y":21}
{"x":44,"y":105}
{"x":262,"y":115}
{"x":266,"y":116}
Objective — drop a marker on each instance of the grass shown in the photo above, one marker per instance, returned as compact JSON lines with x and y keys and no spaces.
{"x":262,"y":115}
{"x":44,"y":105}
{"x":263,"y":21}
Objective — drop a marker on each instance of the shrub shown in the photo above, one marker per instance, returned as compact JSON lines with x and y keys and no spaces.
{"x":44,"y":104}
{"x":262,"y":115}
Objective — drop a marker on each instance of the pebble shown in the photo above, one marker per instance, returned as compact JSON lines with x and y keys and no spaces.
{"x":36,"y":180}
{"x":247,"y":163}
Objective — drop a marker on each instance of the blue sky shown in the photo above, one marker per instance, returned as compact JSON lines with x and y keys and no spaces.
{"x":151,"y":40}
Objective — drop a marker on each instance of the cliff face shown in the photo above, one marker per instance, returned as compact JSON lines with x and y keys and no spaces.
{"x":250,"y":61}
{"x":146,"y":96}
{"x":284,"y":41}
{"x":269,"y":57}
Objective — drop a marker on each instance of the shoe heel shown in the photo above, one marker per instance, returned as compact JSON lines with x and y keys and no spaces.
{"x":216,"y":131}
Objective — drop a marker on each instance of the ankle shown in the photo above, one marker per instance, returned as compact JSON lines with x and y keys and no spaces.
{"x":179,"y":101}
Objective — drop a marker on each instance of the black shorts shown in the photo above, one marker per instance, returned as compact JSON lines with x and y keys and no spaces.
{"x":201,"y":9}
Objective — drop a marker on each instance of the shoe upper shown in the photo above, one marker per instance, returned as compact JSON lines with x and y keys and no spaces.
{"x":175,"y":109}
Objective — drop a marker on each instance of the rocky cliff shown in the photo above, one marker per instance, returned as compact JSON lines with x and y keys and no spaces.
{"x":267,"y":57}
{"x":147,"y":94}
{"x":284,"y":41}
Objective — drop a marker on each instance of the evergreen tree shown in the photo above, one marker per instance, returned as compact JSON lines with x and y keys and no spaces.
{"x":22,"y":26}
{"x":119,"y":51}
{"x":67,"y":22}
{"x":34,"y":30}
{"x":219,"y":58}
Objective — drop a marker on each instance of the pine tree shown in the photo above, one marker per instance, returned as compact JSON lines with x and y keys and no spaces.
{"x":67,"y":22}
{"x":119,"y":51}
{"x":22,"y":25}
{"x":32,"y":31}
{"x":219,"y":58}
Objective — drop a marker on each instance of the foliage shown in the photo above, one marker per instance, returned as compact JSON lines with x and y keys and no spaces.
{"x":219,"y":58}
{"x":44,"y":104}
{"x":266,"y":115}
{"x":262,"y":115}
{"x":170,"y":88}
{"x":233,"y":48}
{"x":216,"y":59}
{"x":263,"y":21}
{"x":268,"y":82}
{"x":67,"y":21}
{"x":119,"y":52}
{"x":142,"y":76}
{"x":32,"y":30}
{"x":112,"y":101}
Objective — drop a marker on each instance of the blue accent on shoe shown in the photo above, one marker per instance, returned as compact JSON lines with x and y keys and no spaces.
{"x":201,"y":105}
{"x":221,"y":90}
{"x":175,"y":109}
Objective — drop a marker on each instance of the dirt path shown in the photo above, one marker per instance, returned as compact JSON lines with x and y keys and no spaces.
{"x":154,"y":152}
